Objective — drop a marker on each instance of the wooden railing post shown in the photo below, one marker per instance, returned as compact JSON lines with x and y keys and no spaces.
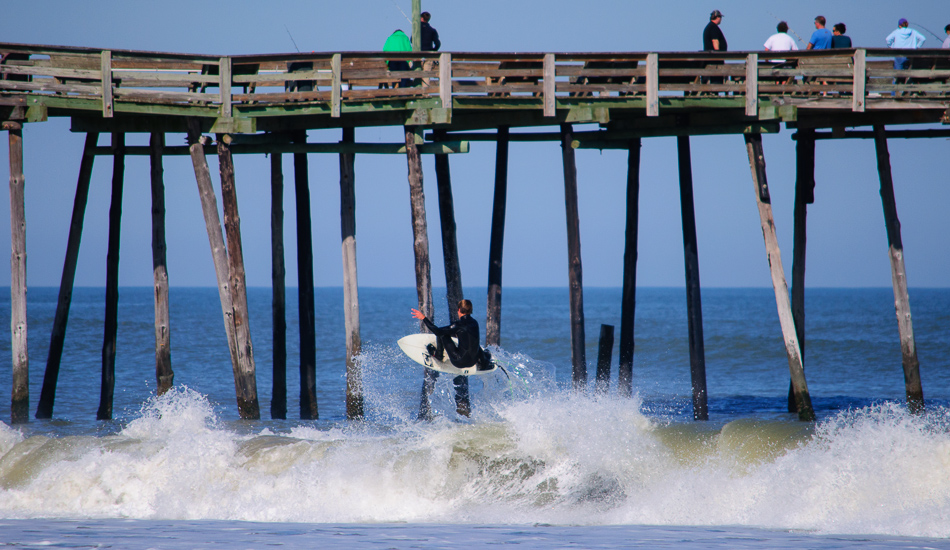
{"x":653,"y":84}
{"x":860,"y":81}
{"x":336,"y":90}
{"x":752,"y":85}
{"x":549,"y":85}
{"x":445,"y":79}
{"x":224,"y":75}
{"x":106,"y":65}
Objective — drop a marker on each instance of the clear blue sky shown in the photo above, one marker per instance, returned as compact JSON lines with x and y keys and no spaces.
{"x":847,"y":244}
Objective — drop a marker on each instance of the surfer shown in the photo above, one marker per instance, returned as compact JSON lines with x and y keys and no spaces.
{"x":467,"y":352}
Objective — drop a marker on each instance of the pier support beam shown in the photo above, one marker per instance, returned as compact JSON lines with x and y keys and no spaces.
{"x":420,"y":247}
{"x":912,"y":385}
{"x":308,"y":331}
{"x":497,"y":243}
{"x":628,"y":300}
{"x":694,"y":302}
{"x":575,"y":267}
{"x":453,"y":272}
{"x":605,"y":350}
{"x":792,"y":349}
{"x":164,"y":375}
{"x":351,"y":301}
{"x":278,"y":404}
{"x":804,"y":195}
{"x":245,"y":374}
{"x":112,"y":280}
{"x":219,"y":254}
{"x":44,"y":408}
{"x":20,"y":398}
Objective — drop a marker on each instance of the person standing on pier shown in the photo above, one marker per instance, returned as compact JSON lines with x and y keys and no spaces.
{"x":780,"y":41}
{"x":946,"y":41}
{"x":840,"y":39}
{"x":430,"y":43}
{"x":821,"y":38}
{"x":398,"y":42}
{"x":713,"y":39}
{"x":904,"y":38}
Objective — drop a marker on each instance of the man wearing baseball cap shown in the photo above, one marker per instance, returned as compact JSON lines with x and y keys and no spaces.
{"x":713,"y":39}
{"x":905,"y":38}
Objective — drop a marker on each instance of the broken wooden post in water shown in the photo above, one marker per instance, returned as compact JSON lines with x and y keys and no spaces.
{"x":450,"y":255}
{"x":804,"y":195}
{"x":112,"y":280}
{"x":245,"y":374}
{"x":792,"y":350}
{"x":694,"y":302}
{"x":278,"y":273}
{"x":604,"y":352}
{"x":44,"y":408}
{"x":20,"y":398}
{"x":420,"y":248}
{"x":574,"y":265}
{"x":497,"y":241}
{"x":164,"y":375}
{"x":351,"y":302}
{"x":912,"y":385}
{"x":628,"y":300}
{"x":305,"y":298}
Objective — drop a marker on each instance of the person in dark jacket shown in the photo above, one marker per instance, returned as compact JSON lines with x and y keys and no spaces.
{"x":713,"y":39}
{"x":430,"y":36}
{"x":839,"y":39}
{"x":467,"y":352}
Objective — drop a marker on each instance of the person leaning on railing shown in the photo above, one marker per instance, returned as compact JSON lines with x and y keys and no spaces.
{"x":904,"y":38}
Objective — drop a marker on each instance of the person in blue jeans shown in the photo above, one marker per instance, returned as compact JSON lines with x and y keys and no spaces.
{"x":904,"y":38}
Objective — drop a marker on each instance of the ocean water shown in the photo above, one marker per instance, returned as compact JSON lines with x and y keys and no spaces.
{"x":536,"y":466}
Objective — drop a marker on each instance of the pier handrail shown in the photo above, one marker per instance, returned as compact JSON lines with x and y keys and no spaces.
{"x":67,"y":79}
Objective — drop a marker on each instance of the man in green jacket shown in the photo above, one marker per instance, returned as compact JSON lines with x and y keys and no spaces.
{"x":399,"y":42}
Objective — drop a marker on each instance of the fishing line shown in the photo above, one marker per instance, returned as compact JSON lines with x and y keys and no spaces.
{"x":938,"y":37}
{"x":292,"y":38}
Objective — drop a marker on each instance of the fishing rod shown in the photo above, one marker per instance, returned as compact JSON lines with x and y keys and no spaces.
{"x":400,"y":11}
{"x":292,"y":39}
{"x":935,"y":35}
{"x":800,"y":39}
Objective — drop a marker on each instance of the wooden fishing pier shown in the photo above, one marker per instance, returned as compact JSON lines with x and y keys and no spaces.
{"x":264,"y":104}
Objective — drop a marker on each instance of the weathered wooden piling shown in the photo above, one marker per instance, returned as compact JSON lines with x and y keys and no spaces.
{"x":278,"y":403}
{"x":604,"y":352}
{"x":628,"y":300}
{"x":20,"y":399}
{"x":792,"y":350}
{"x":420,"y":247}
{"x":308,"y":331}
{"x":44,"y":408}
{"x":804,"y":195}
{"x":351,"y":302}
{"x":107,"y":390}
{"x":164,"y":375}
{"x":575,"y":267}
{"x":450,"y":255}
{"x":497,"y":240}
{"x":245,"y":374}
{"x":912,"y":385}
{"x":694,"y":302}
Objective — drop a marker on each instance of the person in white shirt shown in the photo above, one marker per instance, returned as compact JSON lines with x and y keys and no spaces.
{"x":781,"y":41}
{"x":946,"y":42}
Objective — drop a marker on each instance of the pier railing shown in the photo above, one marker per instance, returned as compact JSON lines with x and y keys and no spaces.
{"x":49,"y":77}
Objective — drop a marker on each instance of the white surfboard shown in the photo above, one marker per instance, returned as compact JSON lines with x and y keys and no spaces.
{"x":414,"y":346}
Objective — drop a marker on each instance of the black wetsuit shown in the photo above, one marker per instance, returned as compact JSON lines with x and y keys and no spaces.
{"x":467,"y":352}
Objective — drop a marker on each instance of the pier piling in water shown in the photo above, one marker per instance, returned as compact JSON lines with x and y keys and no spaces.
{"x":305,"y":297}
{"x":278,"y":404}
{"x":804,"y":195}
{"x":912,"y":385}
{"x":112,"y":280}
{"x":497,"y":242}
{"x":628,"y":300}
{"x":605,"y":350}
{"x":694,"y":302}
{"x":574,"y":265}
{"x":20,"y":399}
{"x":351,"y":302}
{"x":164,"y":375}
